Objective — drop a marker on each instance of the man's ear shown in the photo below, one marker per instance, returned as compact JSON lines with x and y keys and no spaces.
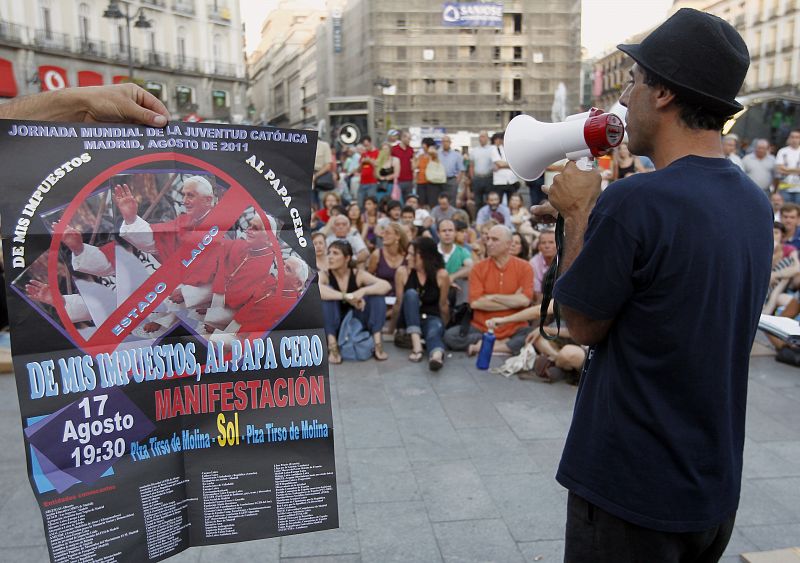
{"x":663,"y":96}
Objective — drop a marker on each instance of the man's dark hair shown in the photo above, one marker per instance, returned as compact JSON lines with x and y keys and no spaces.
{"x":493,"y":192}
{"x":496,"y":136}
{"x":408,"y":209}
{"x":780,"y":226}
{"x":392,"y":204}
{"x":428,"y":142}
{"x":444,"y":195}
{"x":694,"y":116}
{"x":340,"y":209}
{"x":415,"y":196}
{"x":366,"y":138}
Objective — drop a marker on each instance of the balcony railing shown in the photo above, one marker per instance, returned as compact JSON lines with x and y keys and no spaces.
{"x":119,"y":52}
{"x":51,"y":40}
{"x":183,"y":7}
{"x":191,"y":64}
{"x":222,"y":69}
{"x":10,"y":32}
{"x":89,"y":46}
{"x":155,"y":3}
{"x":156,"y":58}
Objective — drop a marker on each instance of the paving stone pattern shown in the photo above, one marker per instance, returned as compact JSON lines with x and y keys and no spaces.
{"x":456,"y":466}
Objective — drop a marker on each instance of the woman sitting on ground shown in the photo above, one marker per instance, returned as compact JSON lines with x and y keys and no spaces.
{"x":384,"y":261}
{"x":343,"y":288}
{"x":422,"y":300}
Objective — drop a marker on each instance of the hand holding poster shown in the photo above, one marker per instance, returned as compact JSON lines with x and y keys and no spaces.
{"x":167,"y":335}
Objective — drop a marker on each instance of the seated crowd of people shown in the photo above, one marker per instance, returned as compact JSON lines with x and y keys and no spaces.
{"x":432,"y":266}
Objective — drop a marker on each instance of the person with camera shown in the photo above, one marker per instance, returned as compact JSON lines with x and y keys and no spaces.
{"x":653,"y":458}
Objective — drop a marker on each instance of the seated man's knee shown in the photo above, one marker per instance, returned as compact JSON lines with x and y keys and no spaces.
{"x":571,"y":356}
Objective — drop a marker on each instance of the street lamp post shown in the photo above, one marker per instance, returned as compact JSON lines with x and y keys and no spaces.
{"x":113,"y":12}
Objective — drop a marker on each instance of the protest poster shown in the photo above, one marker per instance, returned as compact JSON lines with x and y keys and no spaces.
{"x":166,"y":335}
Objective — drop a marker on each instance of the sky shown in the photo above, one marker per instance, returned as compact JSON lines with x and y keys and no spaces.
{"x":604,"y":23}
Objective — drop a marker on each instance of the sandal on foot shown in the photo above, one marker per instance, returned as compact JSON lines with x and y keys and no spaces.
{"x":435,"y":362}
{"x":334,"y":357}
{"x":415,"y":356}
{"x":379,"y":354}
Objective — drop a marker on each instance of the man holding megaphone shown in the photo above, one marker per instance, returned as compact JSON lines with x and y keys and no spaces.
{"x":663,"y":275}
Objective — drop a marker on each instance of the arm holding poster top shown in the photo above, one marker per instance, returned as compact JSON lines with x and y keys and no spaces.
{"x":127,"y":103}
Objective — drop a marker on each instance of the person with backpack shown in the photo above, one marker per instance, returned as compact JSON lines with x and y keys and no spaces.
{"x":353,"y":306}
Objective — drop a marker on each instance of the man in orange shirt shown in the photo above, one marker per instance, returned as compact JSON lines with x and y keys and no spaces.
{"x":499,"y":285}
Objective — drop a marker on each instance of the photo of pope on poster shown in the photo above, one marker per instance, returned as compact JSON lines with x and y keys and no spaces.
{"x":167,"y":335}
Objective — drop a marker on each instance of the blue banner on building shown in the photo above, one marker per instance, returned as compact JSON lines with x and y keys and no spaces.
{"x":473,"y":14}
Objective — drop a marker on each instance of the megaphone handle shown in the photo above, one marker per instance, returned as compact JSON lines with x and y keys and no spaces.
{"x":586,"y":164}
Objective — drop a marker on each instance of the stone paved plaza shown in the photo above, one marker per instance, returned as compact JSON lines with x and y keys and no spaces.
{"x":456,"y":466}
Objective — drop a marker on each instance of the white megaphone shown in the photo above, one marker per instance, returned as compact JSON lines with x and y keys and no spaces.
{"x":531,"y":146}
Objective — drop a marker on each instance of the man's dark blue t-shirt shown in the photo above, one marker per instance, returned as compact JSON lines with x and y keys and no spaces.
{"x":680,"y":258}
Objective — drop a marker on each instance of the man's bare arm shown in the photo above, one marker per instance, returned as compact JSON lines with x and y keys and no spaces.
{"x":119,"y":103}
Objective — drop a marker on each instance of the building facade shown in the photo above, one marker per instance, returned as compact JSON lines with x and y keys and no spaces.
{"x":433,"y":75}
{"x":189,"y":53}
{"x":771,"y":29}
{"x":283,"y":69}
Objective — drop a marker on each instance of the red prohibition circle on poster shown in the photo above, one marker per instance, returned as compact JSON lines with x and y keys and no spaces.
{"x":236,"y":200}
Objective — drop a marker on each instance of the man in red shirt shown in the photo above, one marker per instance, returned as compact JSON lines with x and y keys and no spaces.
{"x":405,"y":154}
{"x":369,"y":183}
{"x":499,"y":285}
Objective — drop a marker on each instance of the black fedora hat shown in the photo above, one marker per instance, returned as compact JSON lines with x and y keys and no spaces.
{"x":702,"y":57}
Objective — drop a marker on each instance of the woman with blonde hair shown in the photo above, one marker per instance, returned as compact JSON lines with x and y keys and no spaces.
{"x":383,"y":262}
{"x":387,"y":168}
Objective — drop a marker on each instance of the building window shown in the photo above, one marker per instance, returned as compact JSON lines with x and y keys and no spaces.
{"x":184,"y":96}
{"x":496,"y":54}
{"x":121,"y":38}
{"x":517,"y":23}
{"x":83,"y":23}
{"x":181,"y":45}
{"x":472,"y":51}
{"x":47,"y":25}
{"x":217,"y":48}
{"x":497,"y":88}
{"x":517,"y":53}
{"x":428,"y":54}
{"x":402,"y":86}
{"x":517,"y":87}
{"x":219,"y":99}
{"x":473,"y":86}
{"x":155,"y":88}
{"x":452,"y":53}
{"x":430,"y":86}
{"x":401,"y":54}
{"x":402,"y":23}
{"x":452,"y":87}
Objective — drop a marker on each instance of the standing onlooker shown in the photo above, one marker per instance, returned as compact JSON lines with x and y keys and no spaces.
{"x":730,"y":148}
{"x":369,"y":182}
{"x":405,"y":154}
{"x":788,"y":162}
{"x":350,"y":166}
{"x":420,"y":164}
{"x":453,"y":167}
{"x":481,"y":168}
{"x":323,"y":164}
{"x":760,"y":165}
{"x":504,"y":181}
{"x":388,"y":168}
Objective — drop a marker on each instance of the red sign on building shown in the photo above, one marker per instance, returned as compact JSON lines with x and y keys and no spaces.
{"x":53,"y":78}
